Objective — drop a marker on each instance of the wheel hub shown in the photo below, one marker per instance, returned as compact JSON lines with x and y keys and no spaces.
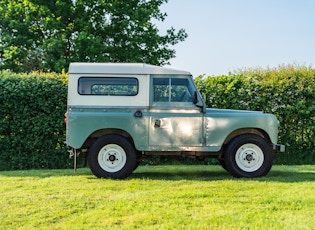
{"x":112,"y":158}
{"x":249,"y":157}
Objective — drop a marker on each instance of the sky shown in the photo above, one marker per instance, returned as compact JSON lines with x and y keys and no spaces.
{"x":230,"y":35}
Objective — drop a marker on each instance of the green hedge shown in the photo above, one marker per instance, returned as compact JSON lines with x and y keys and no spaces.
{"x":32,"y":131}
{"x":287,"y":91}
{"x":32,"y":106}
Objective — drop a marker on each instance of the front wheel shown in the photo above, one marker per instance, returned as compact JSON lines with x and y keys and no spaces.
{"x":248,"y":155}
{"x":112,"y":156}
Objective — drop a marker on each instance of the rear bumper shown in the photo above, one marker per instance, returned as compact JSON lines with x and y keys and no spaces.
{"x":278,"y":147}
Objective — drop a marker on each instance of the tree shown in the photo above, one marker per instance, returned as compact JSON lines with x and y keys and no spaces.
{"x":49,"y":34}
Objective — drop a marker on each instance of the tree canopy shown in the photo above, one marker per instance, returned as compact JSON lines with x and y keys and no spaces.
{"x":47,"y":35}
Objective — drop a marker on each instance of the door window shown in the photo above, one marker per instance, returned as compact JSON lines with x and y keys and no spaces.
{"x":172,"y":90}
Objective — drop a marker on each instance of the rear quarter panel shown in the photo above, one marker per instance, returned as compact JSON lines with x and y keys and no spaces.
{"x":83,"y":122}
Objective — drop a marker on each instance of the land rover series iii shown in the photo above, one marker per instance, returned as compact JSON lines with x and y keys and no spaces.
{"x":121,"y":113}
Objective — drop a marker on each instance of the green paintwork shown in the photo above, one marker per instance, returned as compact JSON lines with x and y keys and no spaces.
{"x":220,"y":123}
{"x":178,"y":131}
{"x":83,"y":122}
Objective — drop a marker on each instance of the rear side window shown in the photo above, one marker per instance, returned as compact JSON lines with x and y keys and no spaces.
{"x":110,"y":86}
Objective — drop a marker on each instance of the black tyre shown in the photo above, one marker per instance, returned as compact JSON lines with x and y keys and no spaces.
{"x":112,"y":156}
{"x":222,"y":163}
{"x":248,"y":155}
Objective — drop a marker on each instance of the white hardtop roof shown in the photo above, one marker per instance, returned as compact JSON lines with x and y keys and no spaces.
{"x":121,"y":68}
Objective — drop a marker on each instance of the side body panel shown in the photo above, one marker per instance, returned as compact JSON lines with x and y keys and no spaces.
{"x":87,"y":115}
{"x":220,"y":123}
{"x":87,"y":122}
{"x":175,"y":128}
{"x":160,"y":130}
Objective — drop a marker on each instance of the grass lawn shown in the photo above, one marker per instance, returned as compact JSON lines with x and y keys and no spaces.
{"x":158,"y":197}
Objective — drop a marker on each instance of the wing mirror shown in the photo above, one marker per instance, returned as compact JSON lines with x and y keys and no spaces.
{"x":195,"y":98}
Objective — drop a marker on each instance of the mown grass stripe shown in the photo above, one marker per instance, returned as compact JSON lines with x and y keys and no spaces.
{"x":158,"y":197}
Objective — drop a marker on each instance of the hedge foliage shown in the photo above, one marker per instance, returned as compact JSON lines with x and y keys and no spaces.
{"x":32,"y":132}
{"x":286,"y":91}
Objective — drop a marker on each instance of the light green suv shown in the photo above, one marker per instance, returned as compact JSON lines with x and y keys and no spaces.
{"x":121,"y":113}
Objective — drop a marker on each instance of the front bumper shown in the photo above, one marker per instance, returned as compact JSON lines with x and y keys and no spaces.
{"x":278,"y":147}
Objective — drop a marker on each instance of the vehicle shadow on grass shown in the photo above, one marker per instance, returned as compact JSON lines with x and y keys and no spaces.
{"x":290,"y":176}
{"x":46,"y":173}
{"x":285,"y":174}
{"x":198,"y":175}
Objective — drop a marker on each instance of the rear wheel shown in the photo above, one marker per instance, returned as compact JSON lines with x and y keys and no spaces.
{"x":248,"y":155}
{"x":112,"y":156}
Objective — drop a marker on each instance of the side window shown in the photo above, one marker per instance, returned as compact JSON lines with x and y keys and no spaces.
{"x":111,"y":86}
{"x":172,"y":90}
{"x":180,"y":90}
{"x":161,"y":89}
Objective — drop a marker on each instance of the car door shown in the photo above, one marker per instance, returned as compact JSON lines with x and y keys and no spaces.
{"x":175,"y":121}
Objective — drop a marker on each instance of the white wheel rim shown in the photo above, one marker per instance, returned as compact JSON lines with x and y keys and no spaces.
{"x":249,"y":157}
{"x":112,"y":158}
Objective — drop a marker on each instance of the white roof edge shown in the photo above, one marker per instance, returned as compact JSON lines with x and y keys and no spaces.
{"x":121,"y":68}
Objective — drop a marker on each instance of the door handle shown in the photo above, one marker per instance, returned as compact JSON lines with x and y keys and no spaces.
{"x":157,"y":123}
